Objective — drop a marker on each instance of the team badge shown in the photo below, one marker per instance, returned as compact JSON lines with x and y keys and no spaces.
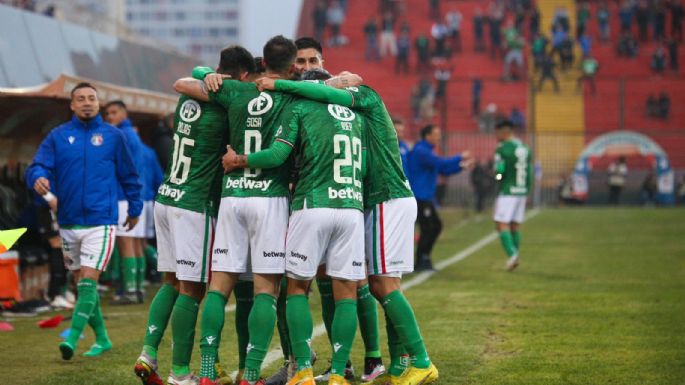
{"x":341,"y":112}
{"x":71,"y":139}
{"x":190,"y":111}
{"x":260,"y":105}
{"x":96,"y":139}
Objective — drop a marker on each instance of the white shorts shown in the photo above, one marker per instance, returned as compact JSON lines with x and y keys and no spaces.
{"x":184,"y":242}
{"x":136,"y":232}
{"x":510,"y":208}
{"x":251,"y":235}
{"x":149,"y":213}
{"x":326,"y":235}
{"x":389,"y":237}
{"x":89,"y":247}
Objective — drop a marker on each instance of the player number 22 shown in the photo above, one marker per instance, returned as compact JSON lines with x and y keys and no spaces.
{"x":180,"y":163}
{"x":352,"y":157}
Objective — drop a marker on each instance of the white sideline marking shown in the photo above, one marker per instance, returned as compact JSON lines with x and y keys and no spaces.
{"x":275,"y":353}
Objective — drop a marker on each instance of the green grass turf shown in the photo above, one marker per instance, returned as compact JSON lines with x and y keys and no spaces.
{"x":598,"y":299}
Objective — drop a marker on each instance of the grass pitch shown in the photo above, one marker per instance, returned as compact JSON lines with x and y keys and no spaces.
{"x":598,"y":299}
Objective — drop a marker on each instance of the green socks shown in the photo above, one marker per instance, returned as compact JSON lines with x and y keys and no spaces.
{"x":507,"y":241}
{"x":212,"y":323}
{"x":281,"y":323}
{"x":367,"y":311}
{"x":158,"y":318}
{"x":97,"y":323}
{"x":130,"y":274}
{"x":300,"y":325}
{"x":244,"y":298}
{"x":343,"y":331}
{"x":516,"y":236}
{"x":261,"y":323}
{"x":183,"y":320}
{"x":398,"y":309}
{"x":397,"y":363}
{"x":327,"y":303}
{"x":140,"y":272}
{"x":85,"y":305}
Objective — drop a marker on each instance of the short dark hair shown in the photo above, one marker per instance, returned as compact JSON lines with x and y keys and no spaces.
{"x":119,"y":103}
{"x":235,"y":60}
{"x":259,"y":65}
{"x":396,"y":120}
{"x":504,"y":123}
{"x":309,"y":42}
{"x":426,"y":130}
{"x":279,"y":54}
{"x":82,"y":85}
{"x":316,"y":74}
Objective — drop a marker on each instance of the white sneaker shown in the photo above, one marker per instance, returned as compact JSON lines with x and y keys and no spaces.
{"x":188,"y":379}
{"x":69,"y":296}
{"x":512,"y":263}
{"x":59,"y":302}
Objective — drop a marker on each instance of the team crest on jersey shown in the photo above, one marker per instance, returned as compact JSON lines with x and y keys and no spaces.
{"x":96,"y":139}
{"x":260,"y":105}
{"x":190,"y":111}
{"x":341,"y":112}
{"x":71,"y":139}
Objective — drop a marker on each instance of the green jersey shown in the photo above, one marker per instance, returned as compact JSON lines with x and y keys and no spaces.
{"x":253,"y":119}
{"x":388,"y":180}
{"x":192,"y":180}
{"x":330,"y":143}
{"x":513,"y":167}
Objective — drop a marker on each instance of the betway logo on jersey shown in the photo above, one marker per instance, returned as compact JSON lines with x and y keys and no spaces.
{"x":273,"y":254}
{"x":248,"y":184}
{"x":344,"y":193}
{"x":170,"y":192}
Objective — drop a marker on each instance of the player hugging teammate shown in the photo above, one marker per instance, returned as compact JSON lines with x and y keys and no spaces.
{"x":334,"y":130}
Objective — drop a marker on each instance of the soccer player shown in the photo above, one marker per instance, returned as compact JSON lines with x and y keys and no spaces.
{"x":327,"y":219}
{"x":390,"y":213}
{"x":87,"y":159}
{"x":513,"y":171}
{"x":129,"y":243}
{"x":253,"y":214}
{"x":185,"y":211}
{"x":309,"y":55}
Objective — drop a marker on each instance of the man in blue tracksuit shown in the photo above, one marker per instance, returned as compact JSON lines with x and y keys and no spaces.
{"x":130,"y":243}
{"x":424,"y":165}
{"x":404,"y":148}
{"x":87,"y":159}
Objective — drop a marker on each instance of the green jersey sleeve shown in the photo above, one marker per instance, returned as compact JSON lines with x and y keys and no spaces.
{"x":273,"y":156}
{"x":200,"y":72}
{"x":316,"y":91}
{"x":225,"y":94}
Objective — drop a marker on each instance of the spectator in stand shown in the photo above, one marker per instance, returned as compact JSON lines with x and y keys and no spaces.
{"x":404,"y":147}
{"x":478,"y":22}
{"x":426,"y":93}
{"x":534,"y":22}
{"x":588,"y":68}
{"x":519,"y":17}
{"x":476,"y":90}
{"x":642,"y":19}
{"x":439,"y":34}
{"x":664,"y":105}
{"x":625,"y":15}
{"x":442,"y":75}
{"x":627,"y":45}
{"x":561,"y":19}
{"x":405,"y":27}
{"x":517,"y":119}
{"x":659,"y":59}
{"x":335,"y":16}
{"x":371,"y":33}
{"x":453,"y":20}
{"x":403,"y":47}
{"x":583,"y":16}
{"x":652,"y":106}
{"x":660,"y":22}
{"x":434,"y":9}
{"x":617,"y":173}
{"x":539,"y":50}
{"x":677,"y":15}
{"x":319,"y":16}
{"x":566,"y":54}
{"x":585,"y":44}
{"x":488,"y":119}
{"x":422,"y":53}
{"x":603,"y":15}
{"x":673,"y":54}
{"x":388,"y":38}
{"x":514,"y":53}
{"x":547,"y":72}
{"x":495,"y":37}
{"x":559,"y":36}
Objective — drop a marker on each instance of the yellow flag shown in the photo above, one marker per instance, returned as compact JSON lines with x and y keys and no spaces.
{"x":8,"y":237}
